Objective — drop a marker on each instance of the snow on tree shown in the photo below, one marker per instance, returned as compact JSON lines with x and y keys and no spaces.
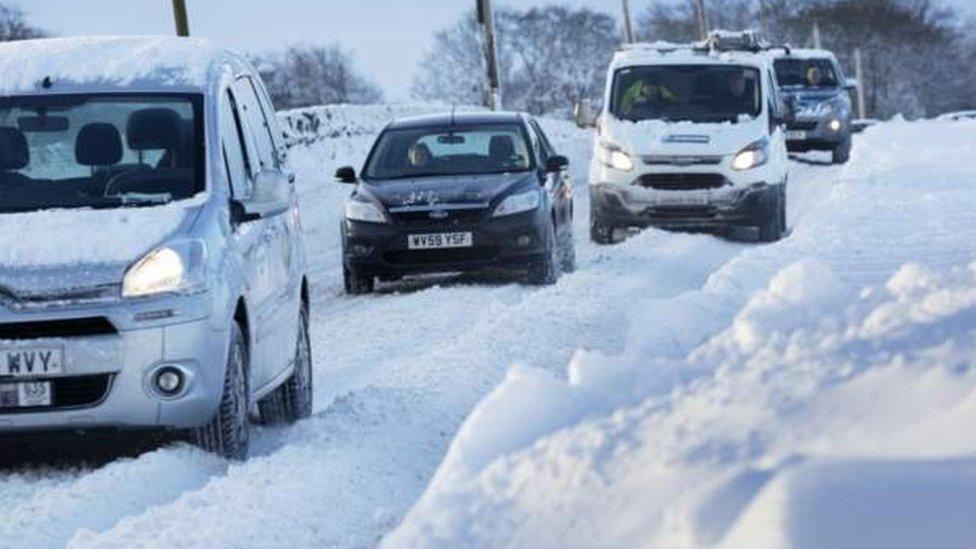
{"x":310,"y":75}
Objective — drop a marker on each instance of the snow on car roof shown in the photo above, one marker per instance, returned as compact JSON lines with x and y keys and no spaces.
{"x":105,"y":60}
{"x":807,"y":53}
{"x":667,"y":53}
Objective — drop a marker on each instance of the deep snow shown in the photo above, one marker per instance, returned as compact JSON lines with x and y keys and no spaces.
{"x":677,"y":390}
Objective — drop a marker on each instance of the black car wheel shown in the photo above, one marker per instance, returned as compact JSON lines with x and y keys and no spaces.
{"x":229,"y":433}
{"x":355,"y":283}
{"x":292,"y":400}
{"x":547,"y":272}
{"x":773,"y":224}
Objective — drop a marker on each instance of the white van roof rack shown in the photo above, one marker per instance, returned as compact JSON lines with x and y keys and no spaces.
{"x":718,"y":41}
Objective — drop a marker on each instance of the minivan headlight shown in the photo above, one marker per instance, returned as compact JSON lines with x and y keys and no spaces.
{"x":361,"y":210}
{"x":753,"y":156}
{"x":612,"y":155}
{"x":178,"y":267}
{"x":518,"y":203}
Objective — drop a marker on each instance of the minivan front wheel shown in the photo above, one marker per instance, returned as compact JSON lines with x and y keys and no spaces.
{"x":229,"y":432}
{"x":292,"y":400}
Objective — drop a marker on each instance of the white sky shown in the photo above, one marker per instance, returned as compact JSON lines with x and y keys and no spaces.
{"x":388,"y":37}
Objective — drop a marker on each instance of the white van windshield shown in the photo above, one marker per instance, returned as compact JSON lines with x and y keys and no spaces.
{"x":697,"y":93}
{"x":99,"y":150}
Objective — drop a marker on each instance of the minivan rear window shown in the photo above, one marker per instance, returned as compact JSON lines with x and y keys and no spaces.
{"x":100,"y":150}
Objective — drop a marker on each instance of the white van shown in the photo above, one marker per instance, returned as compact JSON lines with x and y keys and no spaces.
{"x":690,"y":137}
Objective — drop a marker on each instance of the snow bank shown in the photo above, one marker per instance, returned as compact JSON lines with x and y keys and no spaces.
{"x":116,"y":60}
{"x":763,"y":408}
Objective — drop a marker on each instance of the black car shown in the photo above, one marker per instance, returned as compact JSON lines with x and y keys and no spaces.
{"x":458,"y":193}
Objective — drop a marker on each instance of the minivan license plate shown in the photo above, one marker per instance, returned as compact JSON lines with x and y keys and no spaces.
{"x":31,"y":361}
{"x":433,"y":241}
{"x":796,"y":135}
{"x":31,"y":394}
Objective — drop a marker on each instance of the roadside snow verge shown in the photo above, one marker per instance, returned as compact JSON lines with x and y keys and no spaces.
{"x":808,"y":370}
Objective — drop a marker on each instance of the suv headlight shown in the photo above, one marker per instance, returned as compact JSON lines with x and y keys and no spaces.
{"x":612,"y":155}
{"x":362,"y":210}
{"x":178,"y":267}
{"x":518,"y":203}
{"x":753,"y":156}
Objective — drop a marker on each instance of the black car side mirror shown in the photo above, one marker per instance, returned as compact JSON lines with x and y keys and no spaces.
{"x":557,"y":163}
{"x":346,"y":174}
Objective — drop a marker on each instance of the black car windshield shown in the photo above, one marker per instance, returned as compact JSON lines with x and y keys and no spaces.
{"x":806,"y":73}
{"x":99,"y":150}
{"x":453,"y":150}
{"x":697,"y":93}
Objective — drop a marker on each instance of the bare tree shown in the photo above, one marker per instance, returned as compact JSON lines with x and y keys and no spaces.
{"x":310,"y":75}
{"x":549,"y":58}
{"x":13,"y":25}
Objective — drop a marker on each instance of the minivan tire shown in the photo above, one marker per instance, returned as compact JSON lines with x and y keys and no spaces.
{"x":292,"y":400}
{"x":356,"y":284}
{"x":229,"y":432}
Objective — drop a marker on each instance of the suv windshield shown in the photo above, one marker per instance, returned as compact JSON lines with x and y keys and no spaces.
{"x":455,"y":150}
{"x":806,"y":73}
{"x":697,"y":93}
{"x":99,"y":150}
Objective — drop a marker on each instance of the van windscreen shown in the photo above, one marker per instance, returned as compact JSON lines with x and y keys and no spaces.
{"x":696,"y":93}
{"x":99,"y":150}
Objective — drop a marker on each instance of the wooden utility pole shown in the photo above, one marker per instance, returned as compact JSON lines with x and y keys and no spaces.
{"x":179,"y":15}
{"x":702,"y":18}
{"x":859,"y":74}
{"x":628,"y":25}
{"x":493,"y":89}
{"x":817,"y":42}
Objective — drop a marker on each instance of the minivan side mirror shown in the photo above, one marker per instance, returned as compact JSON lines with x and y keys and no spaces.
{"x":583,"y":114}
{"x":270,"y":196}
{"x":557,"y":163}
{"x":851,"y":84}
{"x":346,"y":174}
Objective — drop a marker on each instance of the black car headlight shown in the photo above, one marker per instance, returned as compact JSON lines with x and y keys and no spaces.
{"x":518,"y":203}
{"x":365,"y":211}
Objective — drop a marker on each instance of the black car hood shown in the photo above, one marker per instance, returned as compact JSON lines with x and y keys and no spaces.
{"x":442,"y":190}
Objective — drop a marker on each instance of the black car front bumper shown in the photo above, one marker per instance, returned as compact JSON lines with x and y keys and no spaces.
{"x":518,"y":242}
{"x":737,"y":213}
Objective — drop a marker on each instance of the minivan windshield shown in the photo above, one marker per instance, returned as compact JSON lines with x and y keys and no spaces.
{"x":453,"y":150}
{"x":99,"y":150}
{"x":805,"y":73}
{"x":696,"y":93}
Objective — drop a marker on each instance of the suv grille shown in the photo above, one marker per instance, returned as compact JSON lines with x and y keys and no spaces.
{"x":802,"y":125}
{"x":439,"y":257}
{"x":75,"y":327}
{"x":71,"y":392}
{"x":682,"y":181}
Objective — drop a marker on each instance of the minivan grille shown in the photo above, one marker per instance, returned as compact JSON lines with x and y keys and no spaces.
{"x":74,"y":327}
{"x":71,"y":392}
{"x":802,"y":125}
{"x":682,"y":181}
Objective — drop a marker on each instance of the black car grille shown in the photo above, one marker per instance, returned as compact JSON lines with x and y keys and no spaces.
{"x":445,"y":218}
{"x":682,"y":181}
{"x":75,"y":327}
{"x":71,"y":393}
{"x":441,"y":257}
{"x":802,"y":125}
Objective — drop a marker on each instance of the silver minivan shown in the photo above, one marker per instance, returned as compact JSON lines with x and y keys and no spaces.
{"x":152,"y":270}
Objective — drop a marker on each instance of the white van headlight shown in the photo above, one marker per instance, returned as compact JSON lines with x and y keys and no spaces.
{"x":613,"y":155}
{"x":518,"y":203}
{"x":361,"y":210}
{"x":178,"y":267}
{"x":753,"y":156}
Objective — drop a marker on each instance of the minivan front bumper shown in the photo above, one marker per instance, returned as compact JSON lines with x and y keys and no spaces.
{"x":110,"y":356}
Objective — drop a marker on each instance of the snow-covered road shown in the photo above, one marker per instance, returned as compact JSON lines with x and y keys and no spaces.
{"x":399,"y":372}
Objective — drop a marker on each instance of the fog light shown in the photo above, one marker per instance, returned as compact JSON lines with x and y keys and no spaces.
{"x":359,"y":250}
{"x":523,"y":241}
{"x":169,"y":381}
{"x":834,"y":125}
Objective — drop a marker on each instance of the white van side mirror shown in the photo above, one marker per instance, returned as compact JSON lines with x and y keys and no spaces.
{"x":583,"y":114}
